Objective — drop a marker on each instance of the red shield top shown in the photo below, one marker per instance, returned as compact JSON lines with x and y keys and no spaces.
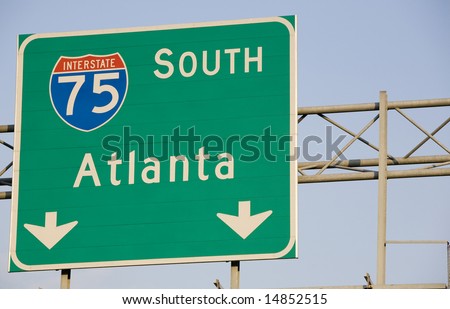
{"x":89,"y":63}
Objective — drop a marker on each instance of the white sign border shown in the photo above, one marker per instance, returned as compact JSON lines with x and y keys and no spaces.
{"x":293,"y":163}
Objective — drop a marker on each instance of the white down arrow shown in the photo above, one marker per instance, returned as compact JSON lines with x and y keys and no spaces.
{"x":50,"y":234}
{"x":244,"y":224}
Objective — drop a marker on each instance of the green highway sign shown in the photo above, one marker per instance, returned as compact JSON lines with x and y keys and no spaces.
{"x":156,"y":145}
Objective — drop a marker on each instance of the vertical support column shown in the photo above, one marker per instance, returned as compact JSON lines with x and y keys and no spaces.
{"x":235,"y":273}
{"x":65,"y":278}
{"x":382,"y":191}
{"x":448,"y":265}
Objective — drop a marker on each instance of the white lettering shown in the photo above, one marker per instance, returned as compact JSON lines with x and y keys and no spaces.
{"x":151,"y":168}
{"x":87,"y":162}
{"x":194,"y":64}
{"x":257,"y":59}
{"x":201,"y":164}
{"x":173,"y":161}
{"x":205,"y":63}
{"x":232,"y":52}
{"x":166,"y":63}
{"x":113,"y":172}
{"x":188,"y":67}
{"x":131,"y":168}
{"x":155,"y":168}
{"x":229,"y":165}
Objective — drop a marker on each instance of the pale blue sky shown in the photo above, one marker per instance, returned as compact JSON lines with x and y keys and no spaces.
{"x":347,"y":52}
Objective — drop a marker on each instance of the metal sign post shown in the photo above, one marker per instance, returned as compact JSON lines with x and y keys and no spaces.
{"x":65,"y":278}
{"x":235,"y":274}
{"x":382,"y":191}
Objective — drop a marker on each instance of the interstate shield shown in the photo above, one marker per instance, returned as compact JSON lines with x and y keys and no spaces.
{"x":88,"y":91}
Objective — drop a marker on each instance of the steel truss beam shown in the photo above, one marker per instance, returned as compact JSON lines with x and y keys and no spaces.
{"x":374,"y":162}
{"x":6,"y":181}
{"x":365,"y":107}
{"x":355,"y":165}
{"x":355,"y":169}
{"x":6,"y":128}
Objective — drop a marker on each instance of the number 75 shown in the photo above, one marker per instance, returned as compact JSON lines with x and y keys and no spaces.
{"x":79,"y":81}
